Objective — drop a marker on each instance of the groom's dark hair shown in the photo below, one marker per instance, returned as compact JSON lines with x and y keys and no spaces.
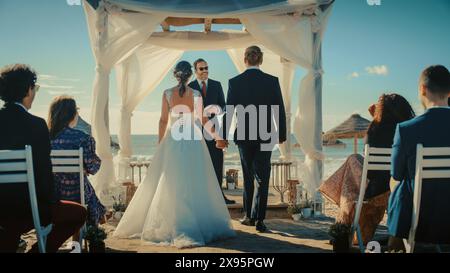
{"x":197,"y":62}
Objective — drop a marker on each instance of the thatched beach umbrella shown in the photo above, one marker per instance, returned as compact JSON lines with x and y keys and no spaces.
{"x":354,"y":127}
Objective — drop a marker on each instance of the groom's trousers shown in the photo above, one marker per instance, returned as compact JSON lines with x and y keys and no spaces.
{"x":255,"y":166}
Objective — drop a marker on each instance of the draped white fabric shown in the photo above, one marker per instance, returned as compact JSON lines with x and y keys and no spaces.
{"x":137,"y":77}
{"x":114,"y":36}
{"x":215,"y":8}
{"x":291,"y":29}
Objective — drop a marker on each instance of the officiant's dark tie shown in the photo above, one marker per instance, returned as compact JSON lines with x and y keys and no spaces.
{"x":204,"y":89}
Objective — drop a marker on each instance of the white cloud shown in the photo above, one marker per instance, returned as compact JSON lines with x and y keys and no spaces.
{"x":49,"y":86}
{"x":46,"y":77}
{"x":353,"y":75}
{"x":381,"y":70}
{"x":65,"y":92}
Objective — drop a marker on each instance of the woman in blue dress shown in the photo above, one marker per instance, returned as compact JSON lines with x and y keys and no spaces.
{"x":62,"y":118}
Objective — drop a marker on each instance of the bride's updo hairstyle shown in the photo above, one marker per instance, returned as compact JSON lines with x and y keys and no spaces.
{"x":182,"y":72}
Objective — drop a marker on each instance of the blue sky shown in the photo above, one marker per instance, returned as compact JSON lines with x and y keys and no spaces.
{"x":367,"y":50}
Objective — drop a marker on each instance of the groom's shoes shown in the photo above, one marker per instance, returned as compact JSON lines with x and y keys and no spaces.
{"x":247,"y":221}
{"x":260,"y":226}
{"x":229,"y":202}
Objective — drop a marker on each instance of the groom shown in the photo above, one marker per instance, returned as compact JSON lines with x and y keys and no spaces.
{"x":255,"y":89}
{"x":212,"y":94}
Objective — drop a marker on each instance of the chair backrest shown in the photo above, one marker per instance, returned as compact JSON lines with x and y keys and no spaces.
{"x":17,"y":167}
{"x":70,"y":161}
{"x":431,"y":163}
{"x":375,"y":159}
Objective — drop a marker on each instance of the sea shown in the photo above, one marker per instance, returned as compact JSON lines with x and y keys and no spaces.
{"x":145,"y":146}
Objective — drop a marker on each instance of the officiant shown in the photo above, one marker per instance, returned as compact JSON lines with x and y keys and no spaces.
{"x":212,"y":94}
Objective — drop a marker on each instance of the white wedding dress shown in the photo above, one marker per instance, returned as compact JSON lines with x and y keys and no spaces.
{"x":179,"y":202}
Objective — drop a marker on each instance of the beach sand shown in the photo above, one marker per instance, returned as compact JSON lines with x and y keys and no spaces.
{"x":285,"y":236}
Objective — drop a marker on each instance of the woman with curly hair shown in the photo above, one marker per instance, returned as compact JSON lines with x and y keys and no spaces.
{"x":343,"y":186}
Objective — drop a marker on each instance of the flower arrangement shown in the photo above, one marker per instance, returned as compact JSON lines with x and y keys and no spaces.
{"x":118,"y":205}
{"x":339,"y":230}
{"x":96,"y":236}
{"x":341,"y":237}
{"x":294,"y":209}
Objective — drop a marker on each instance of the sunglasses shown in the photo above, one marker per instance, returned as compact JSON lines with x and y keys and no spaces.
{"x":36,"y":88}
{"x":203,"y":68}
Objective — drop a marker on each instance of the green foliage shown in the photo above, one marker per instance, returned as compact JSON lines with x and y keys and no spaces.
{"x":339,"y":230}
{"x":95,"y":234}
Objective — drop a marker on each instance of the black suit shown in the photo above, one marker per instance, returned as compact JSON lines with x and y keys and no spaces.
{"x":256,"y":88}
{"x":214,"y":96}
{"x":20,"y":128}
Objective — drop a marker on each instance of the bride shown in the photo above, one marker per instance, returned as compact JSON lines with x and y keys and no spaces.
{"x":179,"y":202}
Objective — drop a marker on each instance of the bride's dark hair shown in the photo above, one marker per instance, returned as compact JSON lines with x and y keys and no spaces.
{"x":182,"y":72}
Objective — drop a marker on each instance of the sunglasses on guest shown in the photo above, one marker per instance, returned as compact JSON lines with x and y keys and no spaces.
{"x":36,"y":88}
{"x":203,"y":68}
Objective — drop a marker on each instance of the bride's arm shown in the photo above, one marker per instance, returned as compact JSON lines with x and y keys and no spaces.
{"x":164,"y":118}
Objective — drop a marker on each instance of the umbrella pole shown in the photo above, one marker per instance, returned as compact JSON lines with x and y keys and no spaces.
{"x":355,"y":145}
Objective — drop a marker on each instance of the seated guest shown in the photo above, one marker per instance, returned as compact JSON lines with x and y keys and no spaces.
{"x":432,"y":130}
{"x":344,"y":185}
{"x":19,"y":128}
{"x":62,"y":118}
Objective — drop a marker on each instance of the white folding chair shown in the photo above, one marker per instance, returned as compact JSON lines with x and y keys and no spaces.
{"x":17,"y":167}
{"x":422,"y":172}
{"x":375,"y":159}
{"x":71,"y":161}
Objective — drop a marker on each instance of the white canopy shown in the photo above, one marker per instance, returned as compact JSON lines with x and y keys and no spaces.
{"x":124,"y":36}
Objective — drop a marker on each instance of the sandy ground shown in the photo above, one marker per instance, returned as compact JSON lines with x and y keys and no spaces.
{"x":285,"y":236}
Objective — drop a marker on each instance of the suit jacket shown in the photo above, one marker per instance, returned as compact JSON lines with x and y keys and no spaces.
{"x":254,"y":87}
{"x":432,"y":130}
{"x":20,"y":128}
{"x":214,"y":93}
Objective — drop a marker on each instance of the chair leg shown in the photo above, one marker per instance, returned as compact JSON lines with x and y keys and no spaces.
{"x":360,"y":240}
{"x":42,"y":242}
{"x":408,"y":246}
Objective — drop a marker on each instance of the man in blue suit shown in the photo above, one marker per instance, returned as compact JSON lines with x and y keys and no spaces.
{"x":432,"y":129}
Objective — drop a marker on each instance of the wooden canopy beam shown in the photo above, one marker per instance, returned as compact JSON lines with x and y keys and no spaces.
{"x":165,"y":26}
{"x":181,"y":22}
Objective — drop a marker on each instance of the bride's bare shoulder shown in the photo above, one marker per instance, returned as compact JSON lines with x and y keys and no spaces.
{"x":168,"y":92}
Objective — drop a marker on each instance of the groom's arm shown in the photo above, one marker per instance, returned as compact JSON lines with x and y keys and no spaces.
{"x":281,"y":117}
